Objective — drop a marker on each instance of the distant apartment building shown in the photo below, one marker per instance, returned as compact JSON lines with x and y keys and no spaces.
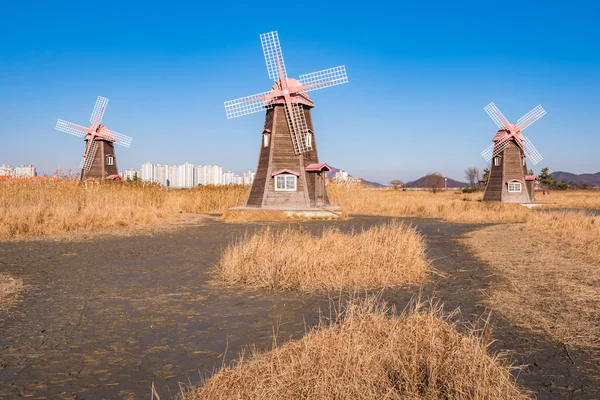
{"x":6,"y":170}
{"x":25,"y":171}
{"x":341,"y":175}
{"x":131,"y":174}
{"x":147,"y":172}
{"x":189,"y":175}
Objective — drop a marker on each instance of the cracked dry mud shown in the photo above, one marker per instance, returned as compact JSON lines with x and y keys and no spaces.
{"x":106,"y":318}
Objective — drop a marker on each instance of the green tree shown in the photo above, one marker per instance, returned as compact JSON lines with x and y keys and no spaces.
{"x":546,"y":179}
{"x":486,"y":174}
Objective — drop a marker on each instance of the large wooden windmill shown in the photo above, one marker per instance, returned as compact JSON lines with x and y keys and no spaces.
{"x":289,"y":175}
{"x":99,"y":160}
{"x":508,"y":179}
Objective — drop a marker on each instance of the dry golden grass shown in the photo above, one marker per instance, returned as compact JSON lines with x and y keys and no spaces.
{"x":450,"y":206}
{"x":548,"y":275}
{"x":572,"y":198}
{"x":41,"y":209}
{"x":369,"y":352}
{"x":292,"y":259}
{"x":10,"y":288}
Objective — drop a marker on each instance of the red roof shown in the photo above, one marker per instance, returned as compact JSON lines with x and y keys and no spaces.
{"x":531,"y":178}
{"x":317,"y":167}
{"x":285,"y":171}
{"x":113,"y":177}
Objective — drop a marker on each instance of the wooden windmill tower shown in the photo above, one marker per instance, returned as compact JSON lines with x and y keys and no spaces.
{"x":289,"y":175}
{"x":99,"y":160}
{"x":508,"y":179}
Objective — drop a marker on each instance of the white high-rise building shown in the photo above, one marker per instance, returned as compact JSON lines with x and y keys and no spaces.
{"x":186,"y":175}
{"x":148,"y":172}
{"x":200,"y":175}
{"x":131,"y":174}
{"x":6,"y":170}
{"x":228,"y":178}
{"x":25,"y":171}
{"x":214,"y":175}
{"x":248,"y":177}
{"x":172,"y":176}
{"x":341,"y":175}
{"x":160,"y":174}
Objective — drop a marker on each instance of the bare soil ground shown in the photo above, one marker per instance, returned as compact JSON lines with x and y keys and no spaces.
{"x":106,"y":318}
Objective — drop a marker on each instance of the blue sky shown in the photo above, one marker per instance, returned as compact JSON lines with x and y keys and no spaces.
{"x":420,"y":75}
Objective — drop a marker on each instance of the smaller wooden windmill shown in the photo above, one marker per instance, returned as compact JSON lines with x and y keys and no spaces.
{"x":508,"y":180}
{"x":99,"y":160}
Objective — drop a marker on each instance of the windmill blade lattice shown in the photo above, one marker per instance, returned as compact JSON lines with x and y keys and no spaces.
{"x":496,"y":115}
{"x":71,"y":128}
{"x":532,"y":153}
{"x":98,"y":112}
{"x":529,"y":118}
{"x":273,"y":55}
{"x":247,"y":105}
{"x":298,"y":129}
{"x":120,"y":139}
{"x":88,"y":158}
{"x":325,"y":78}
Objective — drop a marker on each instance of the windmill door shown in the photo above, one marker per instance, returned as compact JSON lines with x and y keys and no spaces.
{"x":320,"y":189}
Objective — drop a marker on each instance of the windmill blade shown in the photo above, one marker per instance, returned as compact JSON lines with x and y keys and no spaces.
{"x":298,"y":128}
{"x":120,"y":139}
{"x":499,"y":148}
{"x":273,"y":55}
{"x":247,"y":105}
{"x":88,"y":157}
{"x":532,"y":153}
{"x":529,"y":118}
{"x":496,"y":115}
{"x":325,"y":78}
{"x":99,"y":108}
{"x":488,"y":153}
{"x":71,"y":128}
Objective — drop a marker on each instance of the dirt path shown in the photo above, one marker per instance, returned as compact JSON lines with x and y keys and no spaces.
{"x":104,"y":319}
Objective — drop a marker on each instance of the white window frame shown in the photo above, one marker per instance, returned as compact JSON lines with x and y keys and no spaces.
{"x":110,"y":160}
{"x":523,"y":161}
{"x":308,"y":140}
{"x":497,"y":161}
{"x":514,"y":187}
{"x":290,"y":182}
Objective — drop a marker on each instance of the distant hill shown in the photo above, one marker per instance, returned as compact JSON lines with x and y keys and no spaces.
{"x":590,"y":179}
{"x":422,"y":183}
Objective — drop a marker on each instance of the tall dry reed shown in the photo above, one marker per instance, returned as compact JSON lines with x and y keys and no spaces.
{"x":37,"y":209}
{"x":448,"y":205}
{"x":293,"y":259}
{"x":370,"y":353}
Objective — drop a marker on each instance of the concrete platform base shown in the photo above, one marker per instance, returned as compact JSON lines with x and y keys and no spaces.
{"x":324,"y":212}
{"x":535,"y":204}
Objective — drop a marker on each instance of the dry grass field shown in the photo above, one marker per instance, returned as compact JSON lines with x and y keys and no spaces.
{"x":548,"y":273}
{"x":42,"y":209}
{"x":293,"y":259}
{"x":369,"y":352}
{"x":450,"y":206}
{"x":10,"y":288}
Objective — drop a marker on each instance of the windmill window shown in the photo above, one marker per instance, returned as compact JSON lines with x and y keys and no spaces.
{"x":285,"y":182}
{"x":523,"y":161}
{"x":514,"y":187}
{"x":497,"y":161}
{"x":110,"y":160}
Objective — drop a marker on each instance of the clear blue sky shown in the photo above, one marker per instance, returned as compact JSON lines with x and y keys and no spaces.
{"x":420,"y":75}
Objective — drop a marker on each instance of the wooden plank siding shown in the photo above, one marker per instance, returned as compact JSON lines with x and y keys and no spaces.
{"x":280,"y":155}
{"x":99,"y":169}
{"x":511,"y":167}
